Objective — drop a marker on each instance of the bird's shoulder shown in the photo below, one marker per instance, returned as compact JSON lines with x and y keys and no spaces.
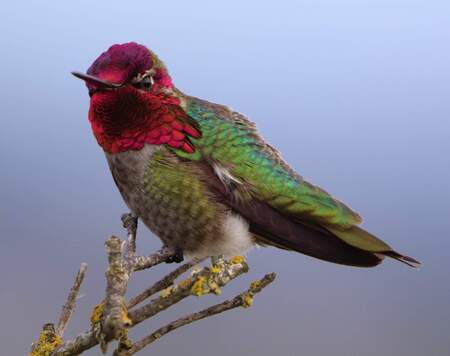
{"x":221,"y":118}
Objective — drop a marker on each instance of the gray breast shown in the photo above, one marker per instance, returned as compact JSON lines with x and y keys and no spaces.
{"x":128,"y":170}
{"x":221,"y":233}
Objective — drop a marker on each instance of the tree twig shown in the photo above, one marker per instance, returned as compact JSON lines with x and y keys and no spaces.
{"x":163,"y":283}
{"x":50,"y":337}
{"x":112,"y":318}
{"x":115,"y":318}
{"x":145,"y":262}
{"x":130,"y":223}
{"x":69,"y":306}
{"x":208,"y":280}
{"x":242,"y":300}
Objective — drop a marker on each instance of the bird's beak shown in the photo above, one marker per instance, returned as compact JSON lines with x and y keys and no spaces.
{"x":90,"y":79}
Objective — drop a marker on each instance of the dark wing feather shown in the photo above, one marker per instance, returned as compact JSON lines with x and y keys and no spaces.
{"x":273,"y":228}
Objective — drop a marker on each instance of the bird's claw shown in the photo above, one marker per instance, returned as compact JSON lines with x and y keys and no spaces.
{"x":129,"y":221}
{"x":176,"y":257}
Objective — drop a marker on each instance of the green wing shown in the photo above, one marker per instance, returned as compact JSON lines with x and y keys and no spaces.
{"x":232,"y":141}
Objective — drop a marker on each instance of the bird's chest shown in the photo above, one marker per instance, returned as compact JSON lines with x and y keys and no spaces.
{"x":166,"y":195}
{"x":128,"y":170}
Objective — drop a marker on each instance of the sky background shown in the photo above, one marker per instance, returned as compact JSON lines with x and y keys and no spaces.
{"x":354,"y":93}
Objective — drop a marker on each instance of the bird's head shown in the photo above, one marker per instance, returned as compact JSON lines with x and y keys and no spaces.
{"x":134,"y":102}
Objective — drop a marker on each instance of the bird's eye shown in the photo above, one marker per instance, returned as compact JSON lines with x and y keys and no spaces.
{"x":145,"y":84}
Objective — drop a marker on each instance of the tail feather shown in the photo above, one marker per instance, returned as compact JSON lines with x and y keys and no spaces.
{"x":362,"y":239}
{"x":354,"y":247}
{"x":273,"y":228}
{"x":404,"y":259}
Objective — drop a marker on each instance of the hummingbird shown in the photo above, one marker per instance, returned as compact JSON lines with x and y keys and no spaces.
{"x":201,"y":177}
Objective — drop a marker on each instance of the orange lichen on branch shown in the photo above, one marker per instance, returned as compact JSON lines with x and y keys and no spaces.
{"x":237,"y":260}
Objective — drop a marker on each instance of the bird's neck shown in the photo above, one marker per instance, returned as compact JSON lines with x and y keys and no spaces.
{"x":127,"y":119}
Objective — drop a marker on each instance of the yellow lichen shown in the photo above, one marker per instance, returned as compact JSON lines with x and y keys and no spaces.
{"x":48,"y":341}
{"x":215,"y":269}
{"x":124,"y":342}
{"x":124,"y":316}
{"x":97,"y":314}
{"x":199,"y":287}
{"x":185,"y":283}
{"x":237,"y":260}
{"x":166,"y":292}
{"x":255,"y":284}
{"x":214,"y":287}
{"x":247,"y":300}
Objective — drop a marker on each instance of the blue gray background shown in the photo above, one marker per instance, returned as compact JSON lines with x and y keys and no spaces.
{"x":354,"y":93}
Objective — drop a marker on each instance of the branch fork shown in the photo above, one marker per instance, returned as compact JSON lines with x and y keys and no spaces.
{"x":112,"y":319}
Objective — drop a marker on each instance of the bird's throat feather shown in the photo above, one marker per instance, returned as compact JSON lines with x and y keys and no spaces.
{"x":127,"y":119}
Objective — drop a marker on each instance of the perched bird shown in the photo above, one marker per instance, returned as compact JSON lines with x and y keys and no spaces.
{"x":200,"y":176}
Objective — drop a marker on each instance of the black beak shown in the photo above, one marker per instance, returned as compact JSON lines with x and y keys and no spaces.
{"x":96,"y":81}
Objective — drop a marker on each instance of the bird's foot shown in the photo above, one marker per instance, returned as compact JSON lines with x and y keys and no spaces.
{"x":129,"y":222}
{"x":176,"y":254}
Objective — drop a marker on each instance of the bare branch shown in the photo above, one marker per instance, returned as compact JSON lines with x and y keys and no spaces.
{"x":115,"y":318}
{"x":130,"y":223}
{"x":81,"y":343}
{"x":111,"y":319}
{"x":163,"y":283}
{"x":50,"y":337}
{"x":69,"y":306}
{"x":145,"y":262}
{"x":242,"y":300}
{"x":138,"y":263}
{"x":208,"y":280}
{"x":122,"y":262}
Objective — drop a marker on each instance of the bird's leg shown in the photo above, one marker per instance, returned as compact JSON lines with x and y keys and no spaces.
{"x":176,"y":254}
{"x":130,"y":223}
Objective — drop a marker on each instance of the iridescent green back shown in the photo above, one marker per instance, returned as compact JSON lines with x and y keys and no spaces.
{"x":232,"y":141}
